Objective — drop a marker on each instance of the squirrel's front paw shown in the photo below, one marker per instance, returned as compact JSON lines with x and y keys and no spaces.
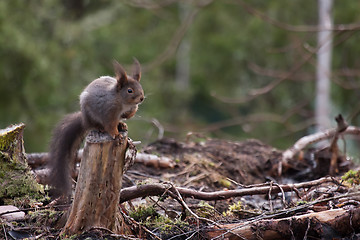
{"x":113,"y":132}
{"x":122,"y":127}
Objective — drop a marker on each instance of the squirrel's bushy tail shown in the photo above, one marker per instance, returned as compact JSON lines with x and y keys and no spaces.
{"x":66,"y":140}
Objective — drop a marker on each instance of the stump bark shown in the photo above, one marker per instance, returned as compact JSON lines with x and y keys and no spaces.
{"x":97,"y":194}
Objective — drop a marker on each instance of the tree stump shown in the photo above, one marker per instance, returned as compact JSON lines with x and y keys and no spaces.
{"x":97,"y":194}
{"x":16,"y":180}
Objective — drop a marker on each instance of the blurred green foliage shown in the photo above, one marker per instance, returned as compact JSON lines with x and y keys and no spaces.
{"x":52,"y":49}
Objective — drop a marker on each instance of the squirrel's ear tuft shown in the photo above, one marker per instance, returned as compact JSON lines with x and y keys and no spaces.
{"x":120,"y":74}
{"x":136,"y":70}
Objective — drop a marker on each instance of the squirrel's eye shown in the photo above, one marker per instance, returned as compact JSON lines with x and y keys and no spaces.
{"x":130,"y":90}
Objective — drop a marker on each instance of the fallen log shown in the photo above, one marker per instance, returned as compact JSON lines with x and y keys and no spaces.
{"x":328,"y":224}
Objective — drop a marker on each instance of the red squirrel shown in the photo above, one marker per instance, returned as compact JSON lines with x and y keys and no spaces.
{"x":104,"y":102}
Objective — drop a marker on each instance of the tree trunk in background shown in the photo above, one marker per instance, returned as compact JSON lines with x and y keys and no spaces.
{"x":182,"y":77}
{"x":323,"y":74}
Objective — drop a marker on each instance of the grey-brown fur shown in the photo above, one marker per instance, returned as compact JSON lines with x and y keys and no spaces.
{"x":104,"y":102}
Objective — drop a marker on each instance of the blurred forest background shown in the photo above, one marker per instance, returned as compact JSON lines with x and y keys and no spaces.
{"x":233,"y":69}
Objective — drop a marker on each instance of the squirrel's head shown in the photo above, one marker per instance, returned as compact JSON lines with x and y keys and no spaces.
{"x":129,"y":86}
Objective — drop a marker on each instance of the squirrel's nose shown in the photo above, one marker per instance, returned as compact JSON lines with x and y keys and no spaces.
{"x":141,"y":99}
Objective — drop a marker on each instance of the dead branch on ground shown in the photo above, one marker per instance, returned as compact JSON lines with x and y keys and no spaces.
{"x":141,"y":191}
{"x":341,"y":129}
{"x":314,"y":138}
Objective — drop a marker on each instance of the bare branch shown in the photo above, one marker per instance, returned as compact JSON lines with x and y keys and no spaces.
{"x":314,"y":138}
{"x":266,"y":89}
{"x":278,"y":73}
{"x":156,"y":4}
{"x":149,"y":4}
{"x":254,"y":93}
{"x":336,"y":75}
{"x":176,"y":39}
{"x":299,"y":28}
{"x":301,"y":77}
{"x":158,"y":189}
{"x":260,"y":117}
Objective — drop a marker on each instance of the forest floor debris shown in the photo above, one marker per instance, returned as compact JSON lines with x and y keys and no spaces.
{"x":221,"y":189}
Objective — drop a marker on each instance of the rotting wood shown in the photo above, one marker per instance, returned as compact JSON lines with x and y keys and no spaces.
{"x":325,"y":225}
{"x":98,"y":187}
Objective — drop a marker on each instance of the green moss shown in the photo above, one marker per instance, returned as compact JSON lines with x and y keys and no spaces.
{"x":236,"y":206}
{"x":234,"y":209}
{"x":10,"y":142}
{"x":351,"y":177}
{"x":17,"y":183}
{"x":167,"y":227}
{"x":224,"y":182}
{"x":161,"y":222}
{"x":301,"y":202}
{"x":205,"y":210}
{"x":143,"y":213}
{"x":164,"y":226}
{"x":239,"y":211}
{"x":46,"y":217}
